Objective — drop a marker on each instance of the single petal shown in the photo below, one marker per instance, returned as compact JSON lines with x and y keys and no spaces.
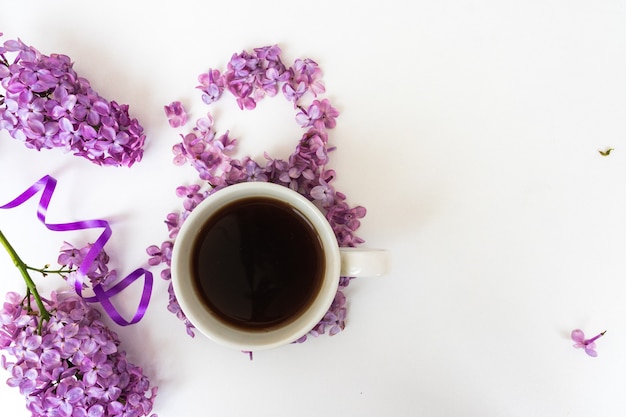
{"x":96,"y":410}
{"x":578,"y":335}
{"x":75,"y":394}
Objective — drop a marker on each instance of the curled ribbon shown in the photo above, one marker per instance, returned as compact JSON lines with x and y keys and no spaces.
{"x":101,"y":295}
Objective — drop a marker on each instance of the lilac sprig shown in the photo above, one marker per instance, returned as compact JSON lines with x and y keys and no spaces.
{"x":63,"y":359}
{"x":45,"y":104}
{"x":250,"y":77}
{"x":73,"y":364}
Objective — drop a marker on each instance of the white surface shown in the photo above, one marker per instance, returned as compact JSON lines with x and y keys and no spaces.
{"x":469,"y":129}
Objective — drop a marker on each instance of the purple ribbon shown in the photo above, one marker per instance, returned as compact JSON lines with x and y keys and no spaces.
{"x":101,"y":295}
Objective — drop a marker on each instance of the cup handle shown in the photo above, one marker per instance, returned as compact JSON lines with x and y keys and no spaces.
{"x":359,"y":262}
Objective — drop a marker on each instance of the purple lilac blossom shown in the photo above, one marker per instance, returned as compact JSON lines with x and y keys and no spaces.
{"x":250,"y":77}
{"x":72,"y":365}
{"x":98,"y":272}
{"x":588,"y":345}
{"x":176,"y":114}
{"x":46,"y":104}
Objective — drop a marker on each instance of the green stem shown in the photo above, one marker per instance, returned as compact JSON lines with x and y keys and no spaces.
{"x":23,"y":268}
{"x":45,"y":271}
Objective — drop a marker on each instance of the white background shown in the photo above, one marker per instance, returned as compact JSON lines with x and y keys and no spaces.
{"x":469,"y":129}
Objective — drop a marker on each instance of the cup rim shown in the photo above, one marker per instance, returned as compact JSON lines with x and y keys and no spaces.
{"x":205,"y":321}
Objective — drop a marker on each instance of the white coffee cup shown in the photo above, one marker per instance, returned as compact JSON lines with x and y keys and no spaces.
{"x":353,"y":262}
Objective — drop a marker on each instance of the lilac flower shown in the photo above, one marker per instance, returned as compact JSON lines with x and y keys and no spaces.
{"x":174,"y":307}
{"x":161,"y":254}
{"x":95,"y":367}
{"x":25,"y":347}
{"x":69,"y":394}
{"x":307,"y":71}
{"x":180,"y":154}
{"x":272,"y":80}
{"x":295,"y":92}
{"x":270,"y":53}
{"x":212,"y":85}
{"x":320,"y":114}
{"x":65,"y":107}
{"x":587,"y":344}
{"x":91,"y":108}
{"x":25,"y":379}
{"x":98,"y":272}
{"x":206,"y":154}
{"x":192,"y":196}
{"x":312,"y":152}
{"x":323,"y":193}
{"x":173,"y":224}
{"x":249,"y":170}
{"x":176,"y":114}
{"x":251,"y":76}
{"x":64,"y":340}
{"x":46,"y":105}
{"x":277,"y":170}
{"x":239,"y":65}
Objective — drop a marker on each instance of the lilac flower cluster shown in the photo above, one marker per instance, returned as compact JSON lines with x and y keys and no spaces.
{"x":71,"y":364}
{"x":251,"y":76}
{"x":46,"y":105}
{"x":98,"y":273}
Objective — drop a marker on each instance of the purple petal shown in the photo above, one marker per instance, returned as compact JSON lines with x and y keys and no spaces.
{"x":50,"y":357}
{"x":107,"y":133}
{"x":75,"y":394}
{"x":578,"y":335}
{"x":33,"y":342}
{"x":95,"y":411}
{"x":66,"y":125}
{"x":101,"y":107}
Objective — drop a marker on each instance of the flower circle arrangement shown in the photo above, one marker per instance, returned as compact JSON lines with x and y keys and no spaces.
{"x":47,"y":105}
{"x":250,"y":77}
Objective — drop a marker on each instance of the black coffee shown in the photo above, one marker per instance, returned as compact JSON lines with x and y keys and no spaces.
{"x":258,"y":263}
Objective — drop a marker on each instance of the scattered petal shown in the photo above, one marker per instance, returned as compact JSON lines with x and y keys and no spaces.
{"x":176,"y":114}
{"x":588,"y":345}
